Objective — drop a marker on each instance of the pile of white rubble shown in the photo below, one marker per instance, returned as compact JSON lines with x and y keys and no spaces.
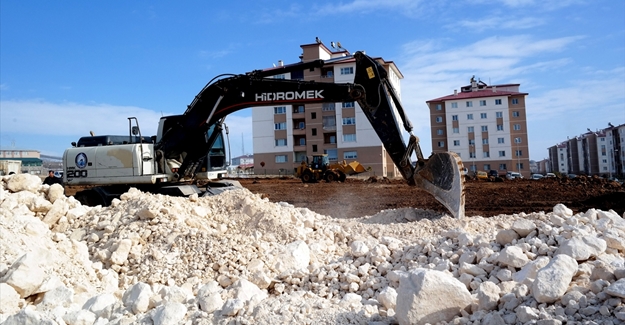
{"x":236,"y":258}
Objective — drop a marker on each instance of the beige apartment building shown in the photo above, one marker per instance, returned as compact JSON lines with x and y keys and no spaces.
{"x":485,"y":125}
{"x":283,"y":136}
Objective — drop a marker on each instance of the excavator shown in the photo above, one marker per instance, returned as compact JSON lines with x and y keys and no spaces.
{"x":169,"y":162}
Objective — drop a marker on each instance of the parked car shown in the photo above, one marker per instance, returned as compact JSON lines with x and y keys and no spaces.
{"x":513,"y":175}
{"x":550,"y":175}
{"x":482,"y":175}
{"x":537,"y":176}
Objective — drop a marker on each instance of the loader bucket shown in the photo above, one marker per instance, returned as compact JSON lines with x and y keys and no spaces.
{"x":440,"y":176}
{"x":354,"y":168}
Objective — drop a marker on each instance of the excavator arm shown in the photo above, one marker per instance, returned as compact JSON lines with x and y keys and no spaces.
{"x":189,"y":137}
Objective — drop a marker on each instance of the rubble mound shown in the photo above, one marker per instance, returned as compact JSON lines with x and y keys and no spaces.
{"x":239,"y":258}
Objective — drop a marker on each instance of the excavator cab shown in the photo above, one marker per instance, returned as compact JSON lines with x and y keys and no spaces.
{"x":320,"y":162}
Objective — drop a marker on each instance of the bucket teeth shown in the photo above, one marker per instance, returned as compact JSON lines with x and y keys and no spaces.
{"x":441,"y":177}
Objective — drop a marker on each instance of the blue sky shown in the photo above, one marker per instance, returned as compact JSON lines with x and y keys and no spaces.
{"x":70,"y":67}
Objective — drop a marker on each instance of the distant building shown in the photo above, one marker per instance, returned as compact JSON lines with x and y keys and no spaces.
{"x":600,"y":152}
{"x":485,"y":125}
{"x":29,"y":158}
{"x":285,"y":135}
{"x":243,"y":163}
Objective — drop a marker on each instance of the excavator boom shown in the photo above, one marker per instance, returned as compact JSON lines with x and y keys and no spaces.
{"x":439,"y":175}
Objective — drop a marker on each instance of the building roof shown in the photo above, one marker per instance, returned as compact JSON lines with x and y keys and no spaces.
{"x":488,"y":92}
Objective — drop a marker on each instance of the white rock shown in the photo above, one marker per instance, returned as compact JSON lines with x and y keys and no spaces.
{"x":244,"y":290}
{"x":488,"y":296}
{"x":10,"y":299}
{"x":137,"y":297}
{"x":583,"y":248}
{"x":426,"y":296}
{"x":615,"y":239}
{"x":562,"y":211}
{"x":211,"y":302}
{"x":25,"y":275}
{"x":512,"y":256}
{"x":523,"y":227}
{"x":58,"y":210}
{"x":101,"y":305}
{"x":351,"y":301}
{"x":553,"y":280}
{"x":472,"y":269}
{"x":359,"y":248}
{"x":388,"y":297}
{"x":506,"y":236}
{"x":232,"y":307}
{"x":120,"y":255}
{"x":170,"y":313}
{"x":59,"y":296}
{"x":296,"y":257}
{"x":24,"y":182}
{"x":26,"y":316}
{"x":526,"y":314}
{"x":79,"y":317}
{"x":55,"y":192}
{"x":617,"y":289}
{"x":528,"y":273}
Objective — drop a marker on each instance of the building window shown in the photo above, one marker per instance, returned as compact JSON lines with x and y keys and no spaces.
{"x":518,"y":153}
{"x":441,"y":144}
{"x":302,"y":141}
{"x":314,"y":148}
{"x":502,"y":167}
{"x":497,"y":101}
{"x":515,"y":114}
{"x":301,"y":125}
{"x":500,"y":140}
{"x":482,"y":115}
{"x":470,"y":129}
{"x":347,"y":105}
{"x":471,"y":142}
{"x":314,"y":131}
{"x":349,"y":137}
{"x":350,"y":155}
{"x":456,"y":130}
{"x":499,"y":127}
{"x":605,"y":161}
{"x":298,"y":109}
{"x":456,"y":143}
{"x":348,"y":70}
{"x":486,"y":154}
{"x":454,"y":117}
{"x":328,"y":107}
{"x":603,"y":151}
{"x":519,"y":166}
{"x":517,"y":140}
{"x":332,"y":139}
{"x":469,"y":116}
{"x":329,"y":122}
{"x":499,"y":114}
{"x":279,"y":126}
{"x":279,"y":110}
{"x":279,"y":76}
{"x":482,"y":103}
{"x":472,"y":154}
{"x":486,"y":166}
{"x":485,"y":141}
{"x":454,"y":105}
{"x":439,"y":107}
{"x":313,"y":115}
{"x":439,"y":119}
{"x":332,"y":154}
{"x":281,"y":159}
{"x":349,"y":120}
{"x":517,"y":127}
{"x":469,"y":104}
{"x":440,"y":132}
{"x":502,"y":153}
{"x":484,"y":128}
{"x":280,"y":142}
{"x":515,"y":101}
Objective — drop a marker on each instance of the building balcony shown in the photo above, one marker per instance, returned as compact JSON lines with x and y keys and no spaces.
{"x":299,"y":131}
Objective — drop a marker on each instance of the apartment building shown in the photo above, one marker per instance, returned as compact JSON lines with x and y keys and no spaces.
{"x":599,"y":152}
{"x":485,"y":125}
{"x":283,"y":136}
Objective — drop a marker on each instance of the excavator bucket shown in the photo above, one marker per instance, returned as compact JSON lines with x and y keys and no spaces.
{"x":440,"y":176}
{"x":354,"y":168}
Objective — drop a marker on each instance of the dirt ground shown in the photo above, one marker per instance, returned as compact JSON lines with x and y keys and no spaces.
{"x":360,"y":197}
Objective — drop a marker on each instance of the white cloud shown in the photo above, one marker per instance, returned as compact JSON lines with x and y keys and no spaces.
{"x":39,"y":117}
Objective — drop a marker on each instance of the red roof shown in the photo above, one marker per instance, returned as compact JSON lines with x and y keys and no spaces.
{"x":477,"y":94}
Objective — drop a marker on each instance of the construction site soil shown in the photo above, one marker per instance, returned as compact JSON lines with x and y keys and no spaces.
{"x":365,"y":197}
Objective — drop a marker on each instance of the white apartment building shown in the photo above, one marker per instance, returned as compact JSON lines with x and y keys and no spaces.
{"x":283,"y":136}
{"x":485,"y":125}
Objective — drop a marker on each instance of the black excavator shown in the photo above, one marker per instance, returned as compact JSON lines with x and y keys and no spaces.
{"x":188,"y":139}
